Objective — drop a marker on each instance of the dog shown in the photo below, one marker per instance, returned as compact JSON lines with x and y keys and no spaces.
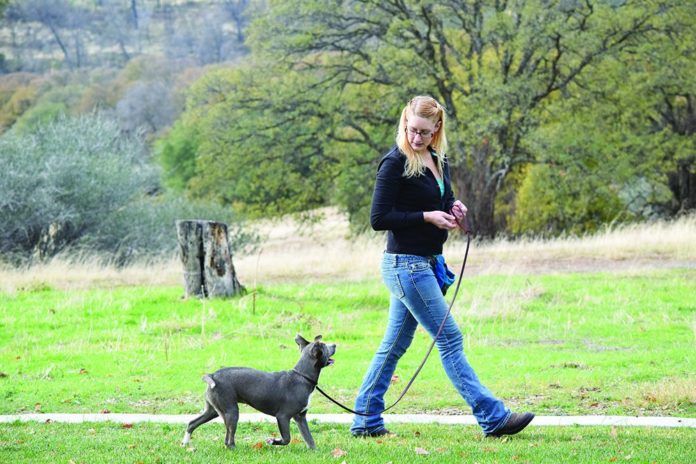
{"x":283,"y":394}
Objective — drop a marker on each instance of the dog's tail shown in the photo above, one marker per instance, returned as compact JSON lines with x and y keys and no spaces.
{"x":209,"y":380}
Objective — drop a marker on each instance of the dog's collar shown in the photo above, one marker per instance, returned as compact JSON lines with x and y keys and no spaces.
{"x":314,"y":383}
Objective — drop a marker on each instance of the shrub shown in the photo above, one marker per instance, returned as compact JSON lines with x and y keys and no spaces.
{"x":552,"y":201}
{"x":145,"y":229}
{"x":65,"y":179}
{"x":79,"y":184}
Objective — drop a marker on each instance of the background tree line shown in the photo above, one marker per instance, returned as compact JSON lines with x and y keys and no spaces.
{"x":85,"y":90}
{"x":563,"y":115}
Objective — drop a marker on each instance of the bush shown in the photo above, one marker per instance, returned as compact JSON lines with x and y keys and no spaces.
{"x":66,"y":178}
{"x":79,"y":184}
{"x":552,"y":201}
{"x":144,"y":229}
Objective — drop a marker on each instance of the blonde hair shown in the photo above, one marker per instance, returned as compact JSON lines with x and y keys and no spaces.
{"x":424,"y":107}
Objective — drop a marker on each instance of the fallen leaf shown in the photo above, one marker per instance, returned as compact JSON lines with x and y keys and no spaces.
{"x":258,"y":445}
{"x":131,"y":446}
{"x":417,"y":433}
{"x":612,"y":459}
{"x":105,"y":411}
{"x":127,"y":426}
{"x":48,"y":421}
{"x":83,"y":371}
{"x":421,"y":451}
{"x":338,"y":452}
{"x":295,"y":440}
{"x":37,"y":407}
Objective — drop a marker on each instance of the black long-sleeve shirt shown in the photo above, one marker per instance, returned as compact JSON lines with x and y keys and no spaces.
{"x":398,"y":204}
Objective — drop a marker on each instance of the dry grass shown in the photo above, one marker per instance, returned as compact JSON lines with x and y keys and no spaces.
{"x":325,"y":251}
{"x":669,"y":393}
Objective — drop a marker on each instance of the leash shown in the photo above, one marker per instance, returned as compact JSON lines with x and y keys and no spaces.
{"x":468,"y":231}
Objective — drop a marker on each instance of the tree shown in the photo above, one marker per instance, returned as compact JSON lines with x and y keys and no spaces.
{"x":64,"y":20}
{"x":495,"y":65}
{"x":628,"y":127}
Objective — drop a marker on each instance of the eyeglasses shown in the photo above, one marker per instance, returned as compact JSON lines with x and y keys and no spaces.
{"x":423,"y":133}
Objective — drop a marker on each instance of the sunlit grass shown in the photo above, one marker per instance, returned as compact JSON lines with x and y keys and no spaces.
{"x":589,"y":343}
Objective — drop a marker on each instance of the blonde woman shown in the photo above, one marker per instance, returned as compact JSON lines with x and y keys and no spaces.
{"x":413,"y":201}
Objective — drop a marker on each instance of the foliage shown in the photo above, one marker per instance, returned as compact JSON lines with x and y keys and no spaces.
{"x":334,"y":77}
{"x":79,"y":183}
{"x":553,"y":201}
{"x":144,"y":229}
{"x":629,"y":127}
{"x":18,"y":92}
{"x":54,"y":102}
{"x":67,"y":176}
{"x":50,"y":34}
{"x":177,"y":155}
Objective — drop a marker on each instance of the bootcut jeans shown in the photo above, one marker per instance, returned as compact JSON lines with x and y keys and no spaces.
{"x":416,"y":298}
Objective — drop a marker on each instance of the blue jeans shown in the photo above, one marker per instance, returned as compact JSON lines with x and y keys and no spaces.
{"x":416,"y":299}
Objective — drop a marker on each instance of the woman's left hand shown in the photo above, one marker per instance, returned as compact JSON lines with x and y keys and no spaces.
{"x":459,"y":211}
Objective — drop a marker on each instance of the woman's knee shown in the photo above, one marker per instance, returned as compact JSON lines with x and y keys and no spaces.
{"x":450,"y":341}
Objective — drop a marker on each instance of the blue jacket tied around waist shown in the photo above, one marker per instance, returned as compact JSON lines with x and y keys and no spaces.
{"x":445,"y":277}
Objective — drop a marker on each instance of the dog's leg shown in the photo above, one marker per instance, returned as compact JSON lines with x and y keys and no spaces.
{"x":231,"y":418}
{"x":301,"y":420}
{"x":209,"y":414}
{"x":284,"y":427}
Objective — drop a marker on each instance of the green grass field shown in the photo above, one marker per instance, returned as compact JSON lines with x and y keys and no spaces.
{"x":596,"y":343}
{"x":159,"y":443}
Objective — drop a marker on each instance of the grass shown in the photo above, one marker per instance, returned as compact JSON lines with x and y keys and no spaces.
{"x":599,"y":325}
{"x":558,"y":344}
{"x":159,"y":443}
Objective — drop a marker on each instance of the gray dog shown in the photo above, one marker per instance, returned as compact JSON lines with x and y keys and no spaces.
{"x":283,"y":394}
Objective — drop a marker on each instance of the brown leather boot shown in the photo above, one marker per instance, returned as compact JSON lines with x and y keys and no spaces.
{"x":515,"y":423}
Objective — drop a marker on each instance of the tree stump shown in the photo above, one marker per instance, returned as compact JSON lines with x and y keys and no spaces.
{"x":207,"y":259}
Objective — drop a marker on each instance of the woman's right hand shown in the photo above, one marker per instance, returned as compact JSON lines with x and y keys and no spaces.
{"x":440,"y":219}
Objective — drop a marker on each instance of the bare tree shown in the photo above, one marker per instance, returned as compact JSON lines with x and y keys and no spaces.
{"x":65,"y":22}
{"x":237,"y":12}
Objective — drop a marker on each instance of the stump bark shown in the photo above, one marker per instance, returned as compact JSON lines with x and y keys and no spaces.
{"x":207,"y":259}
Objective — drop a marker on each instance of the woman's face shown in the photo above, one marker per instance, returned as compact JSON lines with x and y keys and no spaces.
{"x":419,"y":132}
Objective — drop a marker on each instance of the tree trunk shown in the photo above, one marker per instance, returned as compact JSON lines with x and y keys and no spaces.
{"x":477,"y":186}
{"x":207,"y":259}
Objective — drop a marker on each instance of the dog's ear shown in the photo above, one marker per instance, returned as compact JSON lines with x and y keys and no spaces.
{"x":317,"y":338}
{"x":301,"y":342}
{"x":318,"y":354}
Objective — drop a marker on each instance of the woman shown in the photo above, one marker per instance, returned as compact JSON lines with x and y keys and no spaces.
{"x":413,"y":201}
